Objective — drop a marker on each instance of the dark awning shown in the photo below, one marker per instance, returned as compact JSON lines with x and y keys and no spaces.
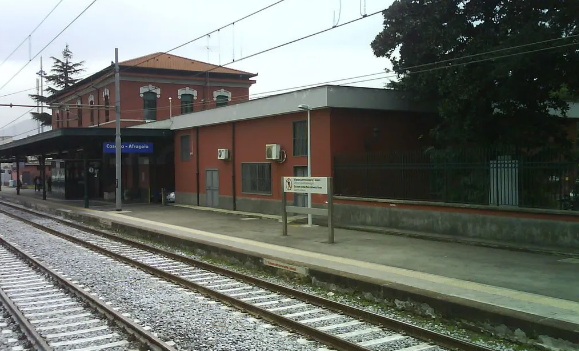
{"x":63,"y":139}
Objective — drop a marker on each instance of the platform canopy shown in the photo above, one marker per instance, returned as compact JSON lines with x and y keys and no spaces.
{"x":61,"y":140}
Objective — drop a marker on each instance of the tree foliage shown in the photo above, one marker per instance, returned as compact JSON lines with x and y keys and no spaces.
{"x":489,"y":89}
{"x":62,"y":76}
{"x":44,"y":118}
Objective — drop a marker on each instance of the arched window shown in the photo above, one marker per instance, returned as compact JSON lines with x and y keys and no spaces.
{"x":79,"y":112}
{"x":150,"y":106}
{"x":106,"y":94}
{"x":91,"y":103}
{"x":150,"y":93}
{"x":187,"y":97}
{"x":221,"y":97}
{"x":186,"y":103}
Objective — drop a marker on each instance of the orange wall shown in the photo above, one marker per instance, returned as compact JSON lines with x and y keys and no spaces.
{"x":251,"y":136}
{"x":185,"y":170}
{"x":212,"y":138}
{"x":132,"y":102}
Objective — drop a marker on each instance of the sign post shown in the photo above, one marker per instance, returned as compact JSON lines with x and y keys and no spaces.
{"x":309,"y":185}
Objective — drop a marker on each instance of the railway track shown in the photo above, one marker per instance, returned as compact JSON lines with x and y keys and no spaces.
{"x":57,"y":314}
{"x":339,"y":326}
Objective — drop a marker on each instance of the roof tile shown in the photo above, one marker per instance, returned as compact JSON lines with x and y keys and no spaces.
{"x":168,"y":61}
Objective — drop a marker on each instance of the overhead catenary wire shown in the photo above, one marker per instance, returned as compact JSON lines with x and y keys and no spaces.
{"x":254,"y":54}
{"x":33,"y":88}
{"x":29,"y":35}
{"x":185,"y":43}
{"x":371,"y":79}
{"x":50,"y":42}
{"x":243,"y":97}
{"x":17,"y":92}
{"x":17,"y":118}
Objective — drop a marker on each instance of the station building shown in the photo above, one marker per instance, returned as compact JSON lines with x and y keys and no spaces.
{"x":152,"y":88}
{"x":234,"y":157}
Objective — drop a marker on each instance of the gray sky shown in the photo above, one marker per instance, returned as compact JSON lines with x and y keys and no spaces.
{"x":142,"y":27}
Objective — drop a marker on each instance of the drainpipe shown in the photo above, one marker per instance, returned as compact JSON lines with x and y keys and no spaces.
{"x":233,"y":165}
{"x":197,"y":163}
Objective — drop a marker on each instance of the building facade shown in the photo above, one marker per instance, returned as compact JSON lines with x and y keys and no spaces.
{"x":221,"y":155}
{"x":152,"y":88}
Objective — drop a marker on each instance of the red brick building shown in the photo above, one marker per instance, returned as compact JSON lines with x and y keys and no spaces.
{"x":152,"y":88}
{"x":241,"y":176}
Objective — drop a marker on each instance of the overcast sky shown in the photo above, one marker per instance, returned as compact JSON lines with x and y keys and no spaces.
{"x":142,"y":27}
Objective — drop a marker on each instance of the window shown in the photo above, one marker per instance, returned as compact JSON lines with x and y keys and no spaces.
{"x":79,"y":112}
{"x":221,"y":100}
{"x":301,"y":138}
{"x":186,"y":103}
{"x":107,"y":111}
{"x":185,"y":147}
{"x":150,"y":106}
{"x":91,"y":103}
{"x":256,"y":178}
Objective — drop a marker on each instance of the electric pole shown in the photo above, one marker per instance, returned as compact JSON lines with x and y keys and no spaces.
{"x":118,"y":146}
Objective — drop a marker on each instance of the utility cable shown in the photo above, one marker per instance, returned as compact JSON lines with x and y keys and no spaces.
{"x":29,"y":35}
{"x":243,"y":97}
{"x":371,"y":74}
{"x":185,"y":43}
{"x":53,"y":39}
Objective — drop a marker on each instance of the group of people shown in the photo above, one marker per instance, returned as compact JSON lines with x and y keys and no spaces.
{"x":38,"y":184}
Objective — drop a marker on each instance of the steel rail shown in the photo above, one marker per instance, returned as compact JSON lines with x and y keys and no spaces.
{"x":121,"y":321}
{"x":37,"y":341}
{"x":320,"y":336}
{"x":417,"y":332}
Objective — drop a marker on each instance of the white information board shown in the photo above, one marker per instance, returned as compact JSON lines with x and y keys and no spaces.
{"x":311,"y":185}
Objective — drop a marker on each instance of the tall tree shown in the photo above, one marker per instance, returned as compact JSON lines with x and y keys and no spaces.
{"x":486,"y":99}
{"x":63,"y":76}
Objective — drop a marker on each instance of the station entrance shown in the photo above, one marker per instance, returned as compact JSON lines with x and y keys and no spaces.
{"x":83,"y":164}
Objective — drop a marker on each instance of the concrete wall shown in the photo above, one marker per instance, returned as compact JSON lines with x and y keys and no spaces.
{"x":511,"y":226}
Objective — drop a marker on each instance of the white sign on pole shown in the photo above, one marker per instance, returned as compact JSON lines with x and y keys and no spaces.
{"x":312,"y":185}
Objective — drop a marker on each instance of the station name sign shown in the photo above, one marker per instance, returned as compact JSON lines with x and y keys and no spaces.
{"x":128,"y":148}
{"x":311,"y":185}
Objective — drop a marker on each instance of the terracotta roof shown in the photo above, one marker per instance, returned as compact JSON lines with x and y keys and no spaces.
{"x":168,"y":61}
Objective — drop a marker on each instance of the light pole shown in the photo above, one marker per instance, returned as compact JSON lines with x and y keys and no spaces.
{"x":307,"y":108}
{"x":170,"y":107}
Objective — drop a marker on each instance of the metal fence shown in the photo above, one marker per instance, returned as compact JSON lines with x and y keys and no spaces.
{"x":500,"y":177}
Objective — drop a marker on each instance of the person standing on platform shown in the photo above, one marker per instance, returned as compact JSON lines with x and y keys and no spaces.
{"x":36,"y":183}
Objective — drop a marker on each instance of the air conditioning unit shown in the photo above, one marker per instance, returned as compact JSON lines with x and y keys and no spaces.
{"x":272,"y":151}
{"x":222,"y":154}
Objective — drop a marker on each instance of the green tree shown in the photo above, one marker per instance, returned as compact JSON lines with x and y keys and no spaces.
{"x":487,"y":100}
{"x":63,"y":76}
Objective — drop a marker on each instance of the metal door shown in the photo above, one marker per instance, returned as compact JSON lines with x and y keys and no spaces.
{"x":301,"y":199}
{"x":212,"y":188}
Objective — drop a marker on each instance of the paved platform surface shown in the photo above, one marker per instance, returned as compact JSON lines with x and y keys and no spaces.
{"x":539,"y":284}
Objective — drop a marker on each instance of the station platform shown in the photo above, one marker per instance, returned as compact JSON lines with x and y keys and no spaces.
{"x":540,"y":288}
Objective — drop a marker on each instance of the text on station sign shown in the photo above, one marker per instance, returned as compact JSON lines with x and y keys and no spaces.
{"x":312,"y":185}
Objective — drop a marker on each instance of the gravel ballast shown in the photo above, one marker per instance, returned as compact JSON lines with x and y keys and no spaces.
{"x":174,"y":314}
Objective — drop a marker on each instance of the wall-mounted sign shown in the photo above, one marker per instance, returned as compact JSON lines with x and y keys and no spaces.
{"x":312,"y":185}
{"x":129,"y":148}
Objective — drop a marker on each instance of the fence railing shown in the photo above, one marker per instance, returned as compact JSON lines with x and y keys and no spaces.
{"x":500,"y":177}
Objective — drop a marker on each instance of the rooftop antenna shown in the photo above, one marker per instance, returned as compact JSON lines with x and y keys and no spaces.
{"x":363,"y":13}
{"x":334,"y":22}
